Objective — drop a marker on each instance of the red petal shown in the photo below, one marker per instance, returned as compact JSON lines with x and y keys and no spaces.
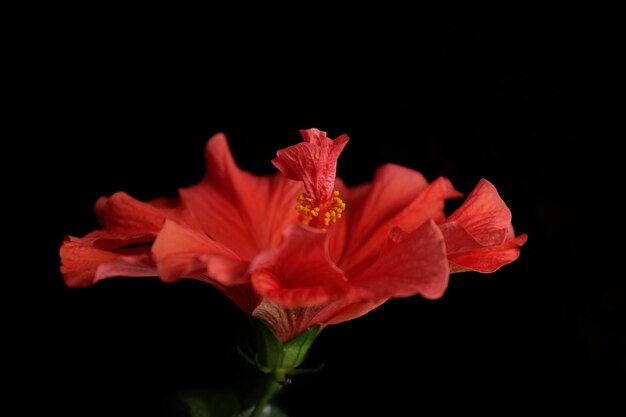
{"x":299,"y":273}
{"x":244,"y":212}
{"x":416,"y":264}
{"x":183,"y":253}
{"x":84,"y":263}
{"x":314,"y":162}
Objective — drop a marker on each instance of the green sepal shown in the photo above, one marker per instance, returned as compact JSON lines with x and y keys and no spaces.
{"x":297,"y":349}
{"x":273,"y":357}
{"x":269,"y":350}
{"x":211,"y":403}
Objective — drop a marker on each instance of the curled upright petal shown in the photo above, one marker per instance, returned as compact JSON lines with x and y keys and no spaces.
{"x":479,"y":235}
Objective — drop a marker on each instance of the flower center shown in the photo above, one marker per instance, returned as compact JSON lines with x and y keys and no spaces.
{"x":319,"y":214}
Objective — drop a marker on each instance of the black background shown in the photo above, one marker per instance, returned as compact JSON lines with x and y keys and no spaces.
{"x":479,"y":91}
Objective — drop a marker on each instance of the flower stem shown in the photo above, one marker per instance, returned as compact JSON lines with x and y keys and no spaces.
{"x":271,"y":389}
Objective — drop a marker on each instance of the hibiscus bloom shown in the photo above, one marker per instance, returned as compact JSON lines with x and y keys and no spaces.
{"x":299,"y":248}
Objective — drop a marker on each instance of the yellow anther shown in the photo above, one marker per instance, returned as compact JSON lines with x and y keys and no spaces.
{"x":310,"y":209}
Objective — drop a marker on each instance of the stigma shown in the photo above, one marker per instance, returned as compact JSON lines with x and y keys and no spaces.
{"x":319,"y":214}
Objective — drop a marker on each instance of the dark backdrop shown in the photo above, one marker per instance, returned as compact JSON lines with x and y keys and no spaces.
{"x":466,"y":93}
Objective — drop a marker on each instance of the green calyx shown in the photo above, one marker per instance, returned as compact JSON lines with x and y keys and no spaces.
{"x":278,"y":359}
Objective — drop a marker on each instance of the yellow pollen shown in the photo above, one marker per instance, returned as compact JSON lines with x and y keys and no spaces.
{"x":310,"y":210}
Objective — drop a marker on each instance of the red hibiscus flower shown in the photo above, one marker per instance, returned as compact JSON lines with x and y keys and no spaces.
{"x":299,"y":248}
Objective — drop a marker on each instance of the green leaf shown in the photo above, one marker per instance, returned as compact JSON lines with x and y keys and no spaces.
{"x":297,"y":349}
{"x":268,"y":411}
{"x":213,"y":403}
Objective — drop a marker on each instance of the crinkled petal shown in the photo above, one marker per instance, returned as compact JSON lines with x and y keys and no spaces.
{"x":415,"y":263}
{"x":299,"y":273}
{"x":314,"y":162}
{"x":180,"y":252}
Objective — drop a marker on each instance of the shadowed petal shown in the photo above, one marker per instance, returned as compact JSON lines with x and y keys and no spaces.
{"x":99,"y":255}
{"x":127,"y":215}
{"x":243,"y":295}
